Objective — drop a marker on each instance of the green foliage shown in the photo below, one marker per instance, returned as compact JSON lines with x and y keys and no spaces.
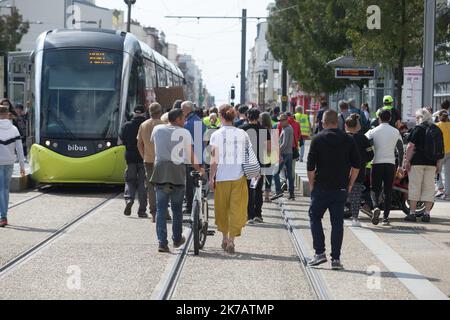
{"x":314,"y":32}
{"x":12,"y":29}
{"x":443,"y":32}
{"x":306,"y":37}
{"x":399,"y":40}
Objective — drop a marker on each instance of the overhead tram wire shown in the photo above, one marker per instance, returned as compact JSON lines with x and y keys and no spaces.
{"x":244,"y":19}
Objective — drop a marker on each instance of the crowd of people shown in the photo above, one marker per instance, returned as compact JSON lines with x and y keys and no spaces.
{"x":377,"y":150}
{"x":368,"y":155}
{"x":161,"y":153}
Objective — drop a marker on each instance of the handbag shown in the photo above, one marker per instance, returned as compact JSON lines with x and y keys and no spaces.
{"x":251,"y":166}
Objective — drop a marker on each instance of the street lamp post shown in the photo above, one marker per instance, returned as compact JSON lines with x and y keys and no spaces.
{"x":428,"y":53}
{"x":129,"y":3}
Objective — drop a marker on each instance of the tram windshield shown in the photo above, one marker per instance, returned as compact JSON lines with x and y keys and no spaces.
{"x":81,"y":94}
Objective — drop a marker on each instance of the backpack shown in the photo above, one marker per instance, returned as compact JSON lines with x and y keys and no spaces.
{"x":434,"y":143}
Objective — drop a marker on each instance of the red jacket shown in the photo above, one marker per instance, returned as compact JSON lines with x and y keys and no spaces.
{"x":297,"y":131}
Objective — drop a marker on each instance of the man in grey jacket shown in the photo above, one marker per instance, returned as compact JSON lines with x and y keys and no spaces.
{"x":10,"y":143}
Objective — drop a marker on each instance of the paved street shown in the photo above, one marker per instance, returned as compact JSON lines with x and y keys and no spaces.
{"x":115,"y":256}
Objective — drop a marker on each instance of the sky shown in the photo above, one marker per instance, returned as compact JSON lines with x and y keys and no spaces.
{"x":214,"y":44}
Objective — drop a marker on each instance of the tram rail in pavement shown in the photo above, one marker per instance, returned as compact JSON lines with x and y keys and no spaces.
{"x":24,"y":256}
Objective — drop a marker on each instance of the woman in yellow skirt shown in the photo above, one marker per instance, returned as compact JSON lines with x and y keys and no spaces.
{"x":227,"y":178}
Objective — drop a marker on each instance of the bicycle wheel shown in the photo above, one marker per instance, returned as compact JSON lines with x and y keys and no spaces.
{"x":203,"y":223}
{"x":196,"y":226}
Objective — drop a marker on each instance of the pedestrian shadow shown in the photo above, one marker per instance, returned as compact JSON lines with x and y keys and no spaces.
{"x":31,"y":229}
{"x":245,"y":256}
{"x":274,"y":226}
{"x":384,"y":274}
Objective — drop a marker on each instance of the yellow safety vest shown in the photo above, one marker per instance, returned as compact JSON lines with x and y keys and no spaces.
{"x":207,"y":122}
{"x":303,"y":120}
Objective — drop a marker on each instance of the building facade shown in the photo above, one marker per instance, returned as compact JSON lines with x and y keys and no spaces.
{"x":264,"y":73}
{"x":46,"y":15}
{"x":193,"y":78}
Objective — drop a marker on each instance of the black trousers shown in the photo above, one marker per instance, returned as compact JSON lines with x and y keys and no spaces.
{"x":382,"y":181}
{"x":255,"y":200}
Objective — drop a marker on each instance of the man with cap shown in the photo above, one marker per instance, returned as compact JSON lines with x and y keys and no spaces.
{"x":135,"y":172}
{"x":388,"y":102}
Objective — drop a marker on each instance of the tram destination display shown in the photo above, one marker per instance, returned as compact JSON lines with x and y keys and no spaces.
{"x":100,"y":58}
{"x":354,"y":73}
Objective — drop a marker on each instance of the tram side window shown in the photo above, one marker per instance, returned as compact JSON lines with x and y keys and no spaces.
{"x":150,"y":74}
{"x":162,"y":79}
{"x":169,"y":79}
{"x":136,"y":89}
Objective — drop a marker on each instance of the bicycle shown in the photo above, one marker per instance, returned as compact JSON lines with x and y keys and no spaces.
{"x":200,"y":212}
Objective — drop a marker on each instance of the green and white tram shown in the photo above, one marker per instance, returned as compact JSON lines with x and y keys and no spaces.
{"x":87,"y":83}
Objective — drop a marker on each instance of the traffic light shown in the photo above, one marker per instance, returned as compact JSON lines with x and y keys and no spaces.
{"x":233,"y":93}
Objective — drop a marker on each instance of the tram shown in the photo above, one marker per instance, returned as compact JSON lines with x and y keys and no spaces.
{"x":86,"y":86}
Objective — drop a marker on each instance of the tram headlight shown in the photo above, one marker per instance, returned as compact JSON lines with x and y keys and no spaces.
{"x":108,"y":144}
{"x":55,"y":145}
{"x":100,"y":146}
{"x":47,"y":143}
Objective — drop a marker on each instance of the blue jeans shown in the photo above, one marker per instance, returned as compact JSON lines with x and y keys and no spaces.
{"x":286,"y":162}
{"x":5,"y":180}
{"x":334,"y":201}
{"x":175,"y":194}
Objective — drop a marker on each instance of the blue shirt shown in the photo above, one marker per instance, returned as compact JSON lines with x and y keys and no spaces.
{"x":193,"y":123}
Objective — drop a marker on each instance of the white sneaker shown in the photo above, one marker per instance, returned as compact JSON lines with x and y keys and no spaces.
{"x":356,"y":223}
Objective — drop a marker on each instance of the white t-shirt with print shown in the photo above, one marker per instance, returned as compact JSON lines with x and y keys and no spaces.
{"x":229,"y":143}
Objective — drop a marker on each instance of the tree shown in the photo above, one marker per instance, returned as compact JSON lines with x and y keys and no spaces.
{"x":443,"y":32}
{"x":12,"y":29}
{"x":397,"y":44}
{"x":305,"y":35}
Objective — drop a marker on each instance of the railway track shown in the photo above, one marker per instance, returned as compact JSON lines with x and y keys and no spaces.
{"x":43,"y":192}
{"x":29,"y":253}
{"x":312,"y":275}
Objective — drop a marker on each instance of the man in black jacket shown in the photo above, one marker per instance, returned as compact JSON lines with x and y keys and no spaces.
{"x":333,"y":166}
{"x":135,"y":172}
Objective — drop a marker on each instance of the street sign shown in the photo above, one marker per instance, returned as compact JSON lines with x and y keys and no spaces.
{"x":412,"y":93}
{"x":354,"y":73}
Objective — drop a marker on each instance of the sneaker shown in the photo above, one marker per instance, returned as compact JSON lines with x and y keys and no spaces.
{"x":426,"y":218}
{"x":163,"y":249}
{"x":440,"y":194}
{"x":3,"y":223}
{"x":251,"y":221}
{"x":386,"y":222}
{"x":276,"y":196}
{"x":376,"y":216}
{"x":284,"y":186}
{"x":411,"y":218}
{"x":292,"y":198}
{"x":318,"y":260}
{"x":356,"y":223}
{"x":336,"y":264}
{"x":177,"y":244}
{"x":258,"y":220}
{"x":128,"y":207}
